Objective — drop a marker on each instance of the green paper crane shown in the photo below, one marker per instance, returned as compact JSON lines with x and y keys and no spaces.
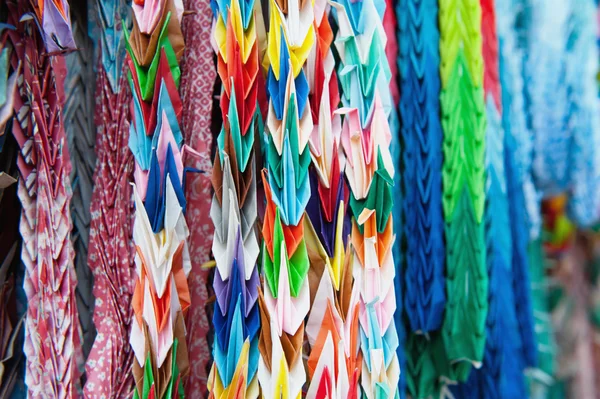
{"x":297,"y":265}
{"x":147,"y":76}
{"x":463,"y":122}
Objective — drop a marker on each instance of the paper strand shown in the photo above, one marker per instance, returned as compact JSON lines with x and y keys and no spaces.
{"x":236,"y":317}
{"x":463,"y":122}
{"x":110,"y":256}
{"x":366,"y":139}
{"x":78,"y":114}
{"x":161,"y":295}
{"x":52,"y":332}
{"x":198,"y":75}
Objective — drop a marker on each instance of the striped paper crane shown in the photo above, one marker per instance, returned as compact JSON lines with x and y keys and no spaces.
{"x":52,"y":333}
{"x":364,"y":76}
{"x":335,"y":362}
{"x":285,"y":300}
{"x":110,"y":250}
{"x":501,"y":375}
{"x":78,"y":114}
{"x":161,"y":295}
{"x":463,"y":176}
{"x":236,"y":316}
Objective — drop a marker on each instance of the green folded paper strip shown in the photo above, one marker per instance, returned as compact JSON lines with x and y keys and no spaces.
{"x":464,"y":123}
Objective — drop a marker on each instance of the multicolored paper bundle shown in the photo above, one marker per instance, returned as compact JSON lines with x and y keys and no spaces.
{"x":111,"y":250}
{"x":364,"y":76}
{"x":161,"y":296}
{"x":236,"y":317}
{"x":285,"y":298}
{"x":52,"y":332}
{"x":334,"y":363}
{"x":463,"y":175}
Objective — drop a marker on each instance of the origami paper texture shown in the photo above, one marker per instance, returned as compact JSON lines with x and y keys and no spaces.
{"x":583,"y":120}
{"x":285,"y":300}
{"x":463,"y":123}
{"x":161,"y":295}
{"x":54,"y":21}
{"x":78,"y":114}
{"x":522,"y":194}
{"x":390,"y":23}
{"x":501,"y":374}
{"x":365,"y":139}
{"x":560,"y":161}
{"x":425,"y":295}
{"x":550,"y":155}
{"x":52,"y":333}
{"x":11,"y":316}
{"x":234,"y":210}
{"x":110,"y":250}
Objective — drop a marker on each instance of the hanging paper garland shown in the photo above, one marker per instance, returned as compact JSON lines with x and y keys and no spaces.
{"x":522,"y":195}
{"x":421,"y":130}
{"x":111,"y":251}
{"x":583,"y":120}
{"x":501,"y":374}
{"x":332,"y":328}
{"x":236,"y":316}
{"x":198,"y":75}
{"x":285,"y":300}
{"x":161,"y":296}
{"x":369,"y":169}
{"x":52,"y":334}
{"x":463,"y":122}
{"x":81,"y":138}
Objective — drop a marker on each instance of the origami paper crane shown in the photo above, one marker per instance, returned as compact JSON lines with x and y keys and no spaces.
{"x":503,"y":343}
{"x":422,"y":136}
{"x":78,"y":114}
{"x":52,"y":333}
{"x":111,"y":250}
{"x":237,"y":316}
{"x":522,"y":195}
{"x":462,"y":104}
{"x":365,"y":139}
{"x":161,"y":296}
{"x":54,"y":21}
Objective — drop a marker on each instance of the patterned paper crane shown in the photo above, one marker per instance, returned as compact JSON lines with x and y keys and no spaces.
{"x":110,"y":256}
{"x":52,"y":333}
